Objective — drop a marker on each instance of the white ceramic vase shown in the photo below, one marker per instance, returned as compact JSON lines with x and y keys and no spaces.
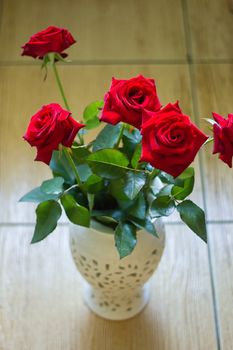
{"x":115,"y":288}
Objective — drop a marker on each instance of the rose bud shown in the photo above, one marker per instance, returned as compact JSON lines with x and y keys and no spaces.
{"x":126,"y":100}
{"x":50,"y":126}
{"x":52,"y":39}
{"x":170,"y":141}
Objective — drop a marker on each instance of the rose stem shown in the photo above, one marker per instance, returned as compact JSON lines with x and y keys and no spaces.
{"x":60,"y":86}
{"x":71,"y":162}
{"x":151,"y":177}
{"x":63,"y":94}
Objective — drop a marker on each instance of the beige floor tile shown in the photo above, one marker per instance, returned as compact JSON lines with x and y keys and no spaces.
{"x":221,"y":244}
{"x":215,"y":89}
{"x":23,"y":92}
{"x":42,"y":307}
{"x":211,"y":24}
{"x":106,"y":30}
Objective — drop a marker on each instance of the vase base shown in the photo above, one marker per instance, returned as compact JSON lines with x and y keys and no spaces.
{"x":120,"y":307}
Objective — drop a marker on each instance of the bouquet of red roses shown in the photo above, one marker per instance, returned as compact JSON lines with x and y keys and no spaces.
{"x":135,"y":171}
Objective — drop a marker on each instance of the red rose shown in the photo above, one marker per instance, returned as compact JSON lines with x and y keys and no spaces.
{"x":170,"y":141}
{"x":223,"y":138}
{"x":49,"y":127}
{"x":126,"y":100}
{"x":52,"y":39}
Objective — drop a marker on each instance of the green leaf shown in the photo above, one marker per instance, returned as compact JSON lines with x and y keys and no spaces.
{"x":49,"y":190}
{"x":128,"y":186}
{"x":79,"y":154}
{"x":133,"y":183}
{"x":138,"y":209}
{"x":84,"y":171}
{"x":166,"y":178}
{"x":187,"y":173}
{"x":130,"y":141}
{"x":156,"y":185}
{"x":37,"y":196}
{"x":133,"y":135}
{"x":107,"y":221}
{"x":162,"y":206}
{"x":61,"y":167}
{"x":125,"y":239}
{"x":107,"y":171}
{"x":109,"y":163}
{"x":145,"y":224}
{"x":165,"y":191}
{"x":116,"y":188}
{"x":94,"y":184}
{"x":48,"y":213}
{"x":185,"y":183}
{"x":194,"y":217}
{"x":108,"y":137}
{"x":117,"y":215}
{"x":53,"y":186}
{"x":76,"y":213}
{"x":109,"y":156}
{"x":136,"y":156}
{"x":90,"y":114}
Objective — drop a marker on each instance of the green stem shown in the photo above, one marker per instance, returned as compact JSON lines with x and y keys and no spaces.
{"x":120,"y":135}
{"x":60,"y":86}
{"x":71,"y":162}
{"x":154,"y":173}
{"x":150,"y":178}
{"x":70,"y":188}
{"x":63,"y":95}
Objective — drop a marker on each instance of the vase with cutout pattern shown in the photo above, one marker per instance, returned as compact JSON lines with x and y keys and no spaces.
{"x":114,"y":288}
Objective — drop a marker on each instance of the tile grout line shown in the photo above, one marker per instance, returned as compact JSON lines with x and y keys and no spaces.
{"x":104,"y":62}
{"x":193,"y":87}
{"x":100,"y":62}
{"x":171,"y":223}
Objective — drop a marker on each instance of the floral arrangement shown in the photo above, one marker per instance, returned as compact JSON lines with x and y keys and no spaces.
{"x":135,"y":171}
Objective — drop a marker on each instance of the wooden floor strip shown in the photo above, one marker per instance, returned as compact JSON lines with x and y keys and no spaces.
{"x":221,"y":247}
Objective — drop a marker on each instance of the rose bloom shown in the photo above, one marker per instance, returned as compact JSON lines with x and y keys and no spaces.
{"x":223,"y":138}
{"x":126,"y":100}
{"x":52,"y":39}
{"x":170,"y":141}
{"x":50,"y":126}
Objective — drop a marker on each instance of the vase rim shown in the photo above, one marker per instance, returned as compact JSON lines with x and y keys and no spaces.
{"x":106,"y":230}
{"x":101,"y":228}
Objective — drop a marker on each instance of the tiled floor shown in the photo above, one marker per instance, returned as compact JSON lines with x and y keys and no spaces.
{"x":187,"y":47}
